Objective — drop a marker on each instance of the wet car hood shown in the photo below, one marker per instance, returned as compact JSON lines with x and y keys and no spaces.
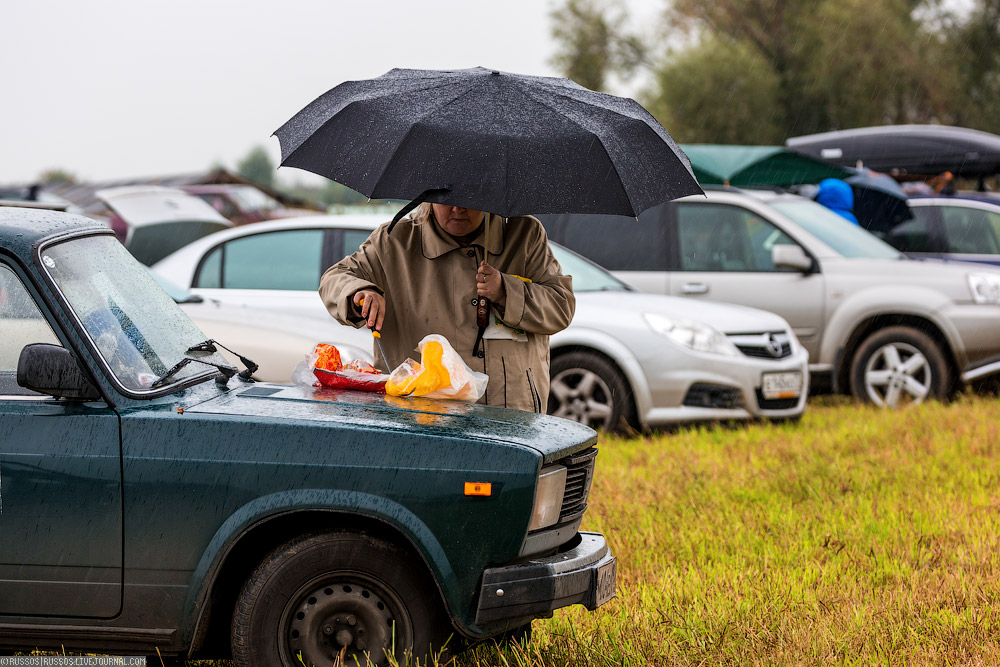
{"x":552,"y":437}
{"x":727,"y":318}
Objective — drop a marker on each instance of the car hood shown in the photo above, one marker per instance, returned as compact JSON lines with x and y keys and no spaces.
{"x":606,"y":307}
{"x":552,"y":437}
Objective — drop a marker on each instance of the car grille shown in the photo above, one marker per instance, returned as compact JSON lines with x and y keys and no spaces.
{"x":775,"y":403}
{"x":704,"y":395}
{"x":579,"y":475}
{"x":769,"y":345}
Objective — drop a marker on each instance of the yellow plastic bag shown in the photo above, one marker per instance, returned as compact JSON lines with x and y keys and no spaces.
{"x":441,"y":373}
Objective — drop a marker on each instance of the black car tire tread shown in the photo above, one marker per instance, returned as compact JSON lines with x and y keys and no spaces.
{"x":269,"y":590}
{"x":623,"y":408}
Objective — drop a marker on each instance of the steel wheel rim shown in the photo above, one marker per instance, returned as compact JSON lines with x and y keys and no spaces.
{"x":582,"y":396}
{"x":339,"y":610}
{"x":897,"y":373}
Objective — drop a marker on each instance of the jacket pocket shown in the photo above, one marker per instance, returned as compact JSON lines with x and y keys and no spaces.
{"x":536,"y":400}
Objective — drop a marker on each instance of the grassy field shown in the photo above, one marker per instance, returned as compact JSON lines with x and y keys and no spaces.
{"x":857,"y":537}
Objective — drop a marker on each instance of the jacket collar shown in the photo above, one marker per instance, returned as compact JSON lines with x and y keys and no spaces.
{"x":435,"y":242}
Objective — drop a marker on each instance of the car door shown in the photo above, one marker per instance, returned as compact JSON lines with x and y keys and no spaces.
{"x":971,"y":231}
{"x":921,"y":236}
{"x":723,"y":253}
{"x":60,"y":483}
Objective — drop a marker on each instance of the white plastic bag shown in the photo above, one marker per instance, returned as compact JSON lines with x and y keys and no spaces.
{"x":441,"y":373}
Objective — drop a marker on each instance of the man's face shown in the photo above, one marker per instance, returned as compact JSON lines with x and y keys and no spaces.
{"x":456,"y":220}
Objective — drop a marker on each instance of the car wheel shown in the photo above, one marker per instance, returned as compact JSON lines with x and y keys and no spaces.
{"x":899,"y":366}
{"x":337,"y":597}
{"x":588,"y":389}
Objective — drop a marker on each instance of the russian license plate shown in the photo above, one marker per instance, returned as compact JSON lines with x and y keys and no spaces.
{"x":605,"y":588}
{"x":782,"y":385}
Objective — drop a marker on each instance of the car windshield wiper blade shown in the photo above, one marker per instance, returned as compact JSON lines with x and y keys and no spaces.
{"x":227,"y":371}
{"x":209,"y":346}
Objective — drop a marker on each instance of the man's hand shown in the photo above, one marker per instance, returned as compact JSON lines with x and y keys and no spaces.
{"x":489,"y":283}
{"x":372,"y":305}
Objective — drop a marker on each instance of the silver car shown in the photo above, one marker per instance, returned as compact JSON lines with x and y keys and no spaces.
{"x":888,"y":329}
{"x":627,"y":358}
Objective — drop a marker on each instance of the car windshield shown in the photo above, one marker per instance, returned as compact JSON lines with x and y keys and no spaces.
{"x":842,"y":235}
{"x":138,"y":330}
{"x":587,"y":277}
{"x":252,"y":199}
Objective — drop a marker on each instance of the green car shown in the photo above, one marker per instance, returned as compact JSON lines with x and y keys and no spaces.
{"x":153,"y":499}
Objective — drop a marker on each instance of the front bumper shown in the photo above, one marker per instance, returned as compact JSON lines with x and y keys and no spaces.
{"x":583,"y":574}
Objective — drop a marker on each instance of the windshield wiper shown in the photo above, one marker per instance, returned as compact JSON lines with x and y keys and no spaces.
{"x":227,"y":371}
{"x":209,"y":346}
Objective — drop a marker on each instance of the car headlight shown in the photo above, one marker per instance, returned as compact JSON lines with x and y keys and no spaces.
{"x":985,"y":287}
{"x":548,"y":497}
{"x":692,"y":335}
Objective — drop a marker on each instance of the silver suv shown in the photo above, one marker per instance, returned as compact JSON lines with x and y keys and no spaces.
{"x":887,"y":329}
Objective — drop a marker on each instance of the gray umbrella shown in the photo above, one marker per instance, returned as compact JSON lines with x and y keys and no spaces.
{"x":505,"y":143}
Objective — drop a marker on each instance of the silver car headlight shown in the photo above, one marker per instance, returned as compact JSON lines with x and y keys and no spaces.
{"x":985,"y":287}
{"x":692,"y":335}
{"x":548,"y":497}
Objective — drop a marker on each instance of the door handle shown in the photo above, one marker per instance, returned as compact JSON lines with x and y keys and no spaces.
{"x":694,"y":288}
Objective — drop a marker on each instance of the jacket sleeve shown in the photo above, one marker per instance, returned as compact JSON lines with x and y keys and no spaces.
{"x":546,"y":304}
{"x":355,"y":272}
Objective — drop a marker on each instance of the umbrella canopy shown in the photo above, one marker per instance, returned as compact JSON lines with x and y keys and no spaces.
{"x":505,"y":143}
{"x":916,"y":149}
{"x":749,"y":166}
{"x":879,"y":201}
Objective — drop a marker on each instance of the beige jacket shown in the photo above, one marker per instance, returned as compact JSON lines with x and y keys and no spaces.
{"x":429,"y":282}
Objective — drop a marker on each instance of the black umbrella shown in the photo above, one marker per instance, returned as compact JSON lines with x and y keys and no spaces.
{"x":505,"y":143}
{"x":879,"y":202}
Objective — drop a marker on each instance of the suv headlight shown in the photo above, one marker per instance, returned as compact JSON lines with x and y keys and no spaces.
{"x":985,"y":287}
{"x":692,"y":335}
{"x":548,"y":497}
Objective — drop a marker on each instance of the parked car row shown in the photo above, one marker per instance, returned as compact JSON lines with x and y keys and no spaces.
{"x":626,"y":359}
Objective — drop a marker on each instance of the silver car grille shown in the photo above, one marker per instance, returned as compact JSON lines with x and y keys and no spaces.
{"x":767,"y":345}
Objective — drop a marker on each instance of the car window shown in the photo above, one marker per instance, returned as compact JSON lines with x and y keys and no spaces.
{"x":587,"y":277}
{"x":721,"y":237}
{"x":353,"y":238}
{"x":22,"y":324}
{"x":285,"y":260}
{"x":913,"y":235}
{"x":618,"y":243}
{"x":971,"y":230}
{"x":845,"y":238}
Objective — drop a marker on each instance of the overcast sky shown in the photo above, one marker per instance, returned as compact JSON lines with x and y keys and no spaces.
{"x":110,"y":89}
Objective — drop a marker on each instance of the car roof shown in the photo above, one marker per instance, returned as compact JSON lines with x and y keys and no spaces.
{"x":21,"y":228}
{"x":981,"y":197}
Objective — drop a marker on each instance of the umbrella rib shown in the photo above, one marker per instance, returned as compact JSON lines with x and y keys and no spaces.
{"x":390,"y":159}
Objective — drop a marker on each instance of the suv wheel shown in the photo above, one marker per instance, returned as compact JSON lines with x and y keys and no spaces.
{"x":588,"y":389}
{"x":336,"y":598}
{"x":899,"y":366}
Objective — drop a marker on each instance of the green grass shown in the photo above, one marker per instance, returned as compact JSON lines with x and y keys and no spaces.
{"x":857,"y":537}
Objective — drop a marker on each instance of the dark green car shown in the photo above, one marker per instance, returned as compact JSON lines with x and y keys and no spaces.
{"x":151,"y":499}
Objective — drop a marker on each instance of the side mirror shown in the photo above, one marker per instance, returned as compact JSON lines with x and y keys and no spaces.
{"x":51,"y":369}
{"x":791,"y":256}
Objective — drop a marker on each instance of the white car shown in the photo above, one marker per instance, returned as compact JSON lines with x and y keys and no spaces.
{"x":627,"y":358}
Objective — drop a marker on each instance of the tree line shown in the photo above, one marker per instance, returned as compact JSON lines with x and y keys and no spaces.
{"x":760,"y":71}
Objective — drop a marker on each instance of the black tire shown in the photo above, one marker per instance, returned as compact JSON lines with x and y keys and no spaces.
{"x":328,"y":592}
{"x":899,"y":365}
{"x":587,"y":388}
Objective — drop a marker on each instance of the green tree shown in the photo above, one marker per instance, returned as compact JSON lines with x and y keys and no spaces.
{"x":257,"y":167}
{"x":975,"y":57}
{"x":56,"y":176}
{"x":592,"y":43}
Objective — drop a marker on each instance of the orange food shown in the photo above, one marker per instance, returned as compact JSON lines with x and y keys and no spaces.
{"x":328,"y":357}
{"x":360,"y":366}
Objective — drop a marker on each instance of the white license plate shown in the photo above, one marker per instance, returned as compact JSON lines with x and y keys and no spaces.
{"x":782,"y":385}
{"x":605,"y":588}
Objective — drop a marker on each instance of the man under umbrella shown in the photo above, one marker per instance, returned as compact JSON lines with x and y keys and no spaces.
{"x":426,"y":275}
